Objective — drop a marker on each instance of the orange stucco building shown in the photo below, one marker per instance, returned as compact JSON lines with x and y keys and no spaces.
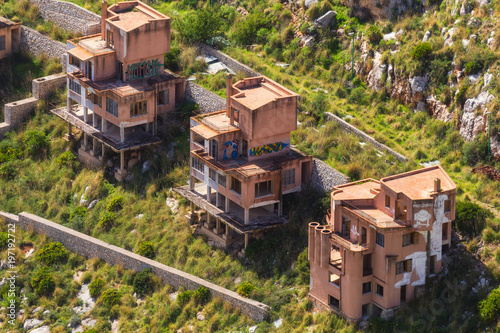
{"x":10,"y":35}
{"x":381,"y":241}
{"x":118,"y":82}
{"x":242,"y":162}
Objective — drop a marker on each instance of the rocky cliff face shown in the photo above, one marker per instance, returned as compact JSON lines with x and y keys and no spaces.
{"x":380,"y":9}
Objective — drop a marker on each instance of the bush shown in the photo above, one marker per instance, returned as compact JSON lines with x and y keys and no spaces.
{"x":107,"y":220}
{"x":67,"y":159}
{"x":470,"y":218}
{"x":146,"y":249}
{"x":4,"y":240}
{"x":200,"y":25}
{"x":115,"y":204}
{"x":184,"y":297}
{"x":489,"y":308}
{"x":35,"y":142}
{"x":78,"y":212}
{"x":422,"y":51}
{"x":143,"y":282}
{"x":473,"y":67}
{"x":201,"y":295}
{"x":95,"y":287}
{"x":245,"y":30}
{"x":245,"y":289}
{"x":460,"y":96}
{"x":111,"y":297}
{"x":475,"y":151}
{"x":53,"y":253}
{"x":374,"y":34}
{"x":43,"y":282}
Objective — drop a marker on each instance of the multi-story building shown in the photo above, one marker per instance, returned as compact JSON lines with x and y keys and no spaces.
{"x":381,"y":241}
{"x":242,"y":162}
{"x":117,"y":86}
{"x":10,"y":35}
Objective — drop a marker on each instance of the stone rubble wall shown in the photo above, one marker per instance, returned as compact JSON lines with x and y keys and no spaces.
{"x":69,"y":16}
{"x":17,"y":111}
{"x":94,"y":248}
{"x":233,"y":64}
{"x":324,"y":177}
{"x":37,"y":44}
{"x":206,"y":100}
{"x":365,"y":137}
{"x":44,"y":86}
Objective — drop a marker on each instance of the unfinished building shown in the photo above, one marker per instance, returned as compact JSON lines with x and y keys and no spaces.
{"x":10,"y":36}
{"x":382,"y":240}
{"x":117,"y":85}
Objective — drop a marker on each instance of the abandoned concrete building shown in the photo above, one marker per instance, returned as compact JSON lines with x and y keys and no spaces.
{"x":242,"y":163}
{"x":381,"y":241}
{"x":10,"y":35}
{"x":117,"y":86}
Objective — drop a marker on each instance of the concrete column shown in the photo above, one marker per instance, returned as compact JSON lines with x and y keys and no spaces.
{"x":226,"y":210}
{"x":104,"y":125}
{"x":85,"y":142}
{"x":122,"y":162}
{"x":217,"y":199}
{"x":147,"y":127}
{"x":103,"y":151}
{"x":94,"y":119}
{"x":209,"y":192}
{"x":68,"y":104}
{"x":191,"y":207}
{"x":247,"y":216}
{"x":191,"y":183}
{"x":85,"y":114}
{"x":227,"y":230}
{"x":68,"y":135}
{"x":312,"y":240}
{"x":122,"y":134}
{"x":325,"y":247}
{"x":93,"y":152}
{"x":209,"y":220}
{"x":246,"y":240}
{"x":317,"y":248}
{"x":280,"y":208}
{"x":217,"y":224}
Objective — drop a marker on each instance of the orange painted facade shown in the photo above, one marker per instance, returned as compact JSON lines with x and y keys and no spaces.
{"x":382,"y":240}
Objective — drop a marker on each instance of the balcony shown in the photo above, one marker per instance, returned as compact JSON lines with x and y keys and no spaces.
{"x":347,"y":243}
{"x":336,"y":259}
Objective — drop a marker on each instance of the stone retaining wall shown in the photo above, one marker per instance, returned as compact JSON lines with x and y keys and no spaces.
{"x":324,"y":177}
{"x":37,"y":44}
{"x":235,"y":65}
{"x":207,"y":100}
{"x":17,"y":111}
{"x":93,"y":248}
{"x":44,"y":86}
{"x":365,"y":137}
{"x":69,"y":16}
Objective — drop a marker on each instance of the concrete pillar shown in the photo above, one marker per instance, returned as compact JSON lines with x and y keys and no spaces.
{"x":93,"y":152}
{"x":217,"y":224}
{"x":191,"y":183}
{"x":68,"y":135}
{"x":247,"y":216}
{"x":104,"y":125}
{"x":147,"y":127}
{"x":122,"y":162}
{"x":317,"y":249}
{"x":209,"y":192}
{"x":68,"y":104}
{"x":246,"y":240}
{"x":280,"y":208}
{"x":85,"y":143}
{"x":217,"y":199}
{"x":85,"y":114}
{"x":325,"y":247}
{"x":94,"y":119}
{"x":226,"y":209}
{"x":122,"y":134}
{"x":312,"y":240}
{"x":191,"y":207}
{"x":227,"y":230}
{"x":209,"y":220}
{"x":103,"y":151}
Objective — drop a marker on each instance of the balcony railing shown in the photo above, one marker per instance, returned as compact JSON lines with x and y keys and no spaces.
{"x":198,"y":145}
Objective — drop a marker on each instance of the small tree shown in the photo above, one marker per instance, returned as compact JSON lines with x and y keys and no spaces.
{"x":111,"y":297}
{"x":245,"y":289}
{"x":67,"y":158}
{"x":95,"y":287}
{"x":489,"y":308}
{"x":143,"y":282}
{"x":374,"y":34}
{"x":53,"y":253}
{"x":35,"y":142}
{"x":43,"y":282}
{"x":146,"y":249}
{"x":422,"y":51}
{"x":201,"y":295}
{"x":107,"y":220}
{"x":470,"y":218}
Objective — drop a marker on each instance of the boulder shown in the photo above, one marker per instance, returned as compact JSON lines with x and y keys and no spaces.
{"x":482,"y":3}
{"x":326,"y":19}
{"x":307,"y":41}
{"x":374,"y":77}
{"x":495,"y":147}
{"x":31,"y":323}
{"x":309,"y":3}
{"x":487,"y":79}
{"x":418,"y":84}
{"x":426,"y":36}
{"x":390,"y":36}
{"x":472,"y":125}
{"x":93,"y":203}
{"x":438,"y":109}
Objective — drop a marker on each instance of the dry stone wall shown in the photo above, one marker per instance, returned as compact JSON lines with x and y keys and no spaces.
{"x":324,"y":177}
{"x":365,"y":137}
{"x":206,"y":100}
{"x":235,"y":65}
{"x":69,"y":16}
{"x":17,"y":111}
{"x":94,"y":248}
{"x":37,"y":44}
{"x":44,"y":86}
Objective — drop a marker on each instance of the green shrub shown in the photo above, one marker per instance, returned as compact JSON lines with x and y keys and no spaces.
{"x":79,"y":211}
{"x":95,"y":287}
{"x":201,"y":295}
{"x":374,"y":34}
{"x":35,"y":142}
{"x":115,"y":204}
{"x":475,"y":151}
{"x":470,"y":218}
{"x":143,"y":282}
{"x":489,"y":308}
{"x":43,"y":281}
{"x":111,"y":297}
{"x":146,"y":249}
{"x":200,"y":25}
{"x":53,"y":253}
{"x":184,"y":297}
{"x":4,"y":240}
{"x":460,"y":97}
{"x":422,"y":51}
{"x":107,"y":220}
{"x":67,"y":158}
{"x":473,"y":67}
{"x":245,"y":289}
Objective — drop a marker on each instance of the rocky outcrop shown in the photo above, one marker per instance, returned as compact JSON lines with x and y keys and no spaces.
{"x":472,"y":122}
{"x":495,"y":147}
{"x":374,"y":78}
{"x":438,"y":109}
{"x":327,"y":19}
{"x":381,"y":9}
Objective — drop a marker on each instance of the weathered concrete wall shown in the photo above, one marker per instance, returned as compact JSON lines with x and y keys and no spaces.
{"x":235,"y":65}
{"x":4,"y":128}
{"x":93,"y":248}
{"x":44,"y":86}
{"x":365,"y":137}
{"x":37,"y":44}
{"x":17,"y":111}
{"x":69,"y":16}
{"x":324,"y":177}
{"x":207,"y":100}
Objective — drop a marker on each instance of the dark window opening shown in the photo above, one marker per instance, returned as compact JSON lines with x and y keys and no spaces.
{"x":346,"y":227}
{"x":333,"y":302}
{"x":367,"y":287}
{"x":380,"y":239}
{"x":235,"y":185}
{"x":408,"y":239}
{"x":367,"y":264}
{"x":363,"y":235}
{"x":264,"y":188}
{"x":380,"y":290}
{"x":402,"y":296}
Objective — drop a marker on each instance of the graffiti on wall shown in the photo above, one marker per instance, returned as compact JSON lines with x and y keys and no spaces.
{"x":267,"y":148}
{"x":422,"y":217}
{"x":231,"y":145}
{"x":143,"y":69}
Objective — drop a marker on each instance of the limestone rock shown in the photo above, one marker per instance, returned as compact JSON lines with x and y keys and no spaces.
{"x":200,"y":316}
{"x":465,"y":43}
{"x":426,"y":36}
{"x":482,"y":3}
{"x":418,"y":84}
{"x":490,"y":42}
{"x":83,"y":201}
{"x":487,"y":79}
{"x":93,"y":203}
{"x":465,"y":8}
{"x":43,"y":329}
{"x":309,"y":3}
{"x":31,"y":323}
{"x":472,"y":125}
{"x":326,"y":19}
{"x":340,"y":32}
{"x":438,"y":109}
{"x":375,"y":75}
{"x":390,"y":36}
{"x":307,"y":41}
{"x":495,"y":147}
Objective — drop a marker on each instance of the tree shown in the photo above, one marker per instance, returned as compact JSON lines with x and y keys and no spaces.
{"x":43,"y":282}
{"x":53,"y":253}
{"x":201,"y":25}
{"x":470,"y":218}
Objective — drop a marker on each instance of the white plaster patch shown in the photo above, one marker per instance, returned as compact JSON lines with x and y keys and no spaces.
{"x":354,"y":231}
{"x":437,"y":227}
{"x":419,"y":261}
{"x":421,"y":217}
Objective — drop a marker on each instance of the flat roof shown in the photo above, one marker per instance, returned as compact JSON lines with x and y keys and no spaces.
{"x":419,"y":184}
{"x":378,"y":217}
{"x":132,"y":15}
{"x":256,"y":92}
{"x":5,"y":22}
{"x":365,"y":189}
{"x":204,"y":131}
{"x":80,"y":53}
{"x":218,"y":122}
